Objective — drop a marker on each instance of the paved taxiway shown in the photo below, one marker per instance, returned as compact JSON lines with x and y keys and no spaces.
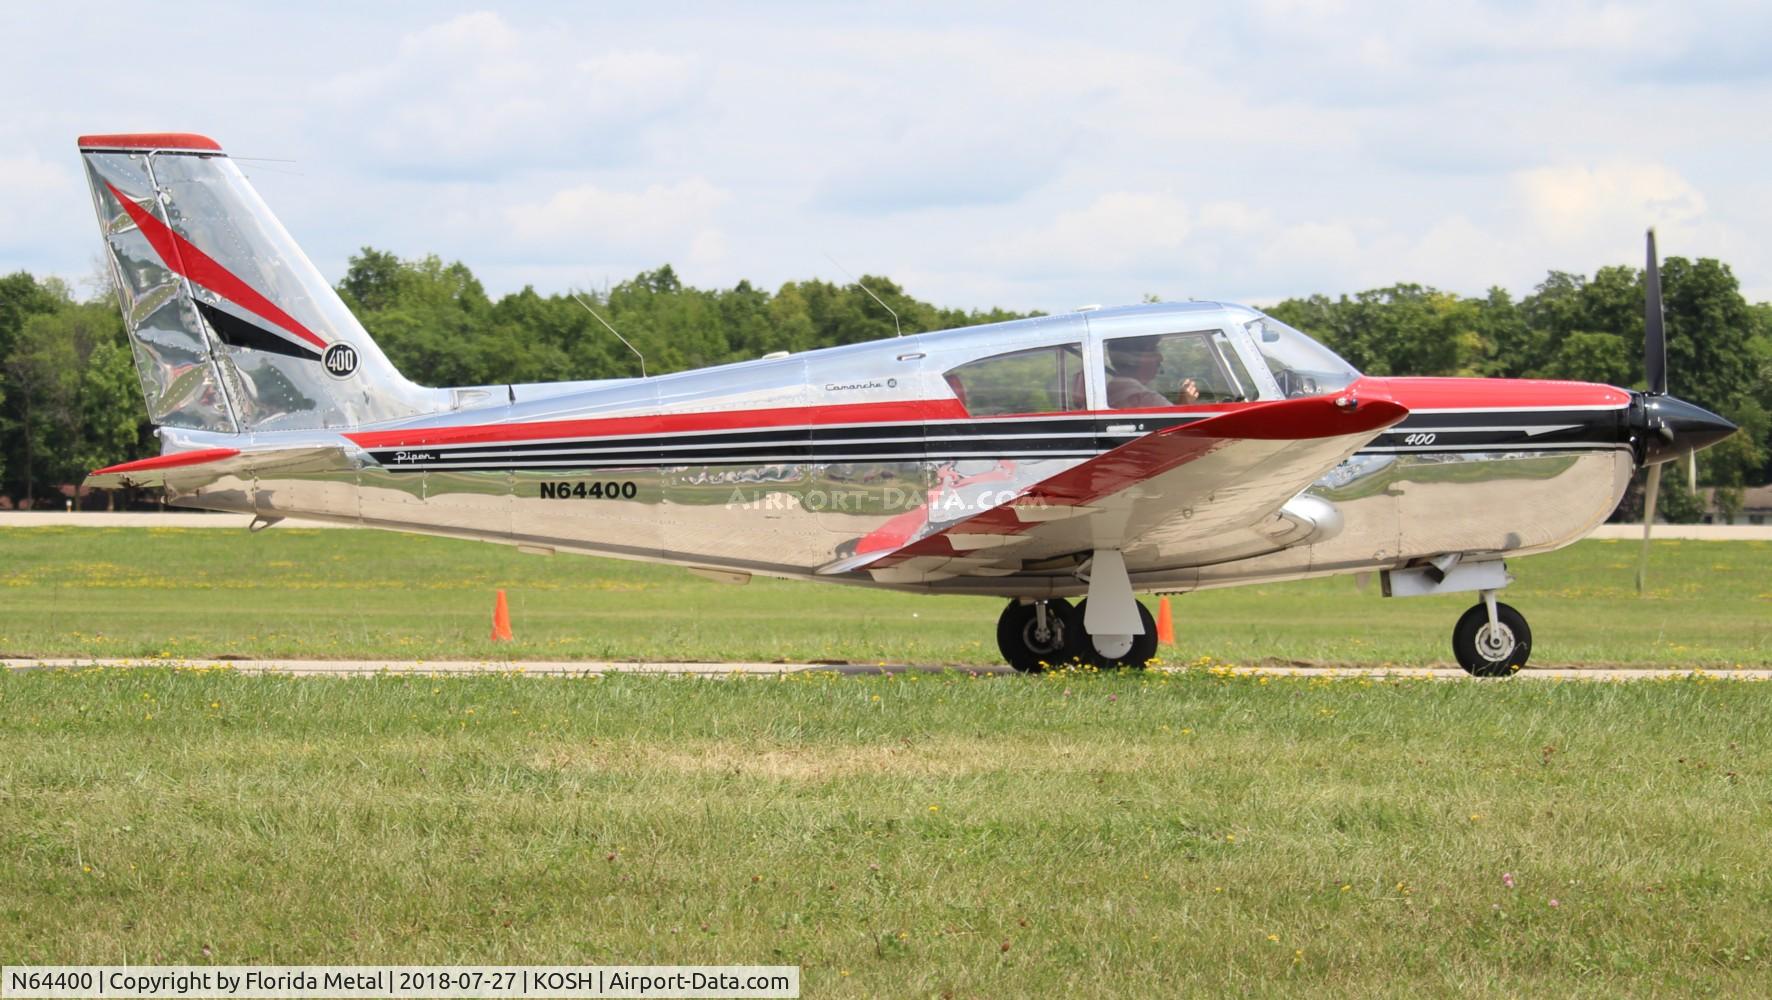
{"x":579,"y":668}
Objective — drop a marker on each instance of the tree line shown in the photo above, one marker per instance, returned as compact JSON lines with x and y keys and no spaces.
{"x":70,"y":402}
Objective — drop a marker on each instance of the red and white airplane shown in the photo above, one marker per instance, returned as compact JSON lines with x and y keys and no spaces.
{"x":1095,"y":454}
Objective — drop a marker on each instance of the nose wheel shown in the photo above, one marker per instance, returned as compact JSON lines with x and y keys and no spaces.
{"x":1491,"y":639}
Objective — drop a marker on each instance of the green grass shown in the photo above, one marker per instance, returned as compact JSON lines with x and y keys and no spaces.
{"x":292,"y":592}
{"x":912,"y":835}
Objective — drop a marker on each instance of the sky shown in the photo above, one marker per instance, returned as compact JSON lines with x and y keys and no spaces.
{"x":1020,"y":155}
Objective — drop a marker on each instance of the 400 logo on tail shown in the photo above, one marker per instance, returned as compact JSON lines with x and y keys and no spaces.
{"x":340,"y":360}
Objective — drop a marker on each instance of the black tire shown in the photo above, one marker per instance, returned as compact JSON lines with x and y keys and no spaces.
{"x":1144,"y":647}
{"x":1021,"y":646}
{"x":1484,"y":655}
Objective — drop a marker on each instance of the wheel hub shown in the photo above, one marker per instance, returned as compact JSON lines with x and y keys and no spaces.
{"x":1495,"y":642}
{"x":1043,"y":640}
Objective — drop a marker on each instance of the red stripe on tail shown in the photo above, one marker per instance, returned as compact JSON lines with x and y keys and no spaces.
{"x":183,"y":257}
{"x":151,"y":140}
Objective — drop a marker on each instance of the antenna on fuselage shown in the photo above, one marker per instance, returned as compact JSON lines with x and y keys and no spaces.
{"x":611,"y":329}
{"x":899,"y":329}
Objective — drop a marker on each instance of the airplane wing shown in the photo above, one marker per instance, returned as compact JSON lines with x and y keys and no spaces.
{"x":1174,"y":497}
{"x":184,"y":469}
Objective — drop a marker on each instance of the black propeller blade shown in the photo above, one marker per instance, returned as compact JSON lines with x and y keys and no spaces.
{"x":1654,"y":325}
{"x":1655,"y":369}
{"x":1650,"y":489}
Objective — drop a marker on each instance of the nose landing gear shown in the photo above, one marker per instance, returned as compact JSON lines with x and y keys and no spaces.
{"x":1491,"y":639}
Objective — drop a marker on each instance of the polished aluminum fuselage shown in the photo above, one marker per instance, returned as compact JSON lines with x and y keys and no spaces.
{"x":780,"y":466}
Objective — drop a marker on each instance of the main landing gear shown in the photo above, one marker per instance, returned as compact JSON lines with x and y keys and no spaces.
{"x":1109,"y":629}
{"x":1040,"y":635}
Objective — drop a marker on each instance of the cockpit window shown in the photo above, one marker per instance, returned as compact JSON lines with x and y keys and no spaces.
{"x":1174,"y":369}
{"x":1302,"y":366}
{"x":1040,"y":380}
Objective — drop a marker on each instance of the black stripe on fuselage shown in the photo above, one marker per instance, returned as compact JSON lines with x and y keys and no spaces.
{"x":904,"y":442}
{"x":1504,"y":430}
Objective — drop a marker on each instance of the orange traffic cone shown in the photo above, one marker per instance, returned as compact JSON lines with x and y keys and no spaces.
{"x":1165,"y":624}
{"x":501,"y":620}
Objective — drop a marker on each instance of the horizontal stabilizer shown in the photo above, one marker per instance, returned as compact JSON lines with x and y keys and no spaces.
{"x":183,"y":468}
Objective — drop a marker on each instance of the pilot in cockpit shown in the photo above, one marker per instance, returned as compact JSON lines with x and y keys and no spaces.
{"x":1133,"y":364}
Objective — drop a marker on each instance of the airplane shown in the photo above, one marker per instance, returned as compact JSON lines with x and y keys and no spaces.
{"x":1092,"y":455}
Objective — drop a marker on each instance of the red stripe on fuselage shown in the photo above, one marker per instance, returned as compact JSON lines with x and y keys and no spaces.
{"x":1490,"y":393}
{"x":667,"y":423}
{"x":183,"y":257}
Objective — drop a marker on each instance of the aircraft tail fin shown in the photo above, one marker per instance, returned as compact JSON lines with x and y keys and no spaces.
{"x":233,"y":329}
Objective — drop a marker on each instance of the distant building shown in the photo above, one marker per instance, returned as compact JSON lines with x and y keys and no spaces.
{"x":1756,"y":507}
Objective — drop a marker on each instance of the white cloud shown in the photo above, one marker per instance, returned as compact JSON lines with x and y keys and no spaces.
{"x":38,"y":198}
{"x":476,"y":94}
{"x":1125,"y":230}
{"x":30,"y":176}
{"x":660,"y":219}
{"x":1572,"y":202}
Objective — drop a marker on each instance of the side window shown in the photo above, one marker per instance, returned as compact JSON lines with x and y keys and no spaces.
{"x":1040,"y":380}
{"x":1175,"y":369}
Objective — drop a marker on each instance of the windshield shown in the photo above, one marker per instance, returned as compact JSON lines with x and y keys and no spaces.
{"x":1302,"y":366}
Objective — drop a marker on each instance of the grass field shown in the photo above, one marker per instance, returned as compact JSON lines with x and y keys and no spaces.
{"x":914,"y":835}
{"x":1175,"y":832}
{"x":294,"y":592}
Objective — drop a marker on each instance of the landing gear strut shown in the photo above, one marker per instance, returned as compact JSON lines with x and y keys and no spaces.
{"x":1491,"y":639}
